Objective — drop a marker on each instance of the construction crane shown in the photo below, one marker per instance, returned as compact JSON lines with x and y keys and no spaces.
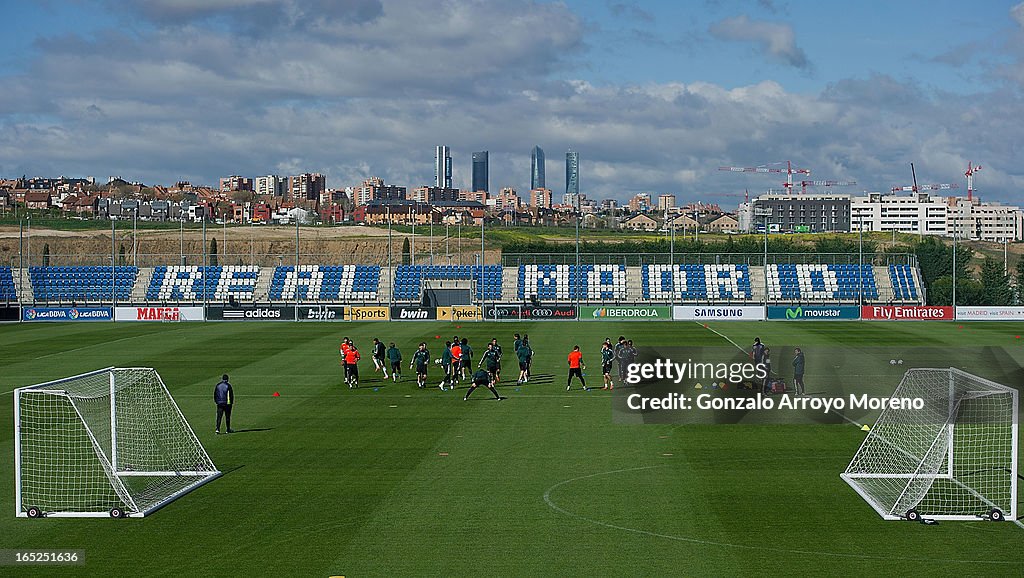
{"x":789,"y":171}
{"x":970,"y":179}
{"x":915,"y":188}
{"x":805,"y":184}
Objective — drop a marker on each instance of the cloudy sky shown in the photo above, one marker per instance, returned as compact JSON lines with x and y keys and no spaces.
{"x":655,"y":95}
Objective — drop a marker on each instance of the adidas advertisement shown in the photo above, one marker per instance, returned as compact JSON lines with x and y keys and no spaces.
{"x":813,"y":312}
{"x":626,"y":313}
{"x":255,"y":313}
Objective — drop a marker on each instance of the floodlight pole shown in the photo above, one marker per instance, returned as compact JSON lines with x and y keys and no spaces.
{"x":296,"y":315}
{"x":391,"y":270}
{"x":954,"y":267}
{"x":860,"y":258}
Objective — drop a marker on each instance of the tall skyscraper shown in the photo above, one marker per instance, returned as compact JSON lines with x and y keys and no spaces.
{"x":480,"y":171}
{"x":537,"y":169}
{"x":442,"y":167}
{"x":572,"y":174}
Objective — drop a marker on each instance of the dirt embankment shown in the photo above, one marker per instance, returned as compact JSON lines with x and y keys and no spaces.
{"x":264,"y":246}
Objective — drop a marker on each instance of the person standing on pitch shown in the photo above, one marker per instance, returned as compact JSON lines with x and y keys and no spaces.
{"x":378,"y":357}
{"x":766,"y":362}
{"x":523,"y":353}
{"x":395,"y":358}
{"x":481,"y":377}
{"x":346,"y":344}
{"x":757,"y":351}
{"x":421,"y":359}
{"x":497,"y":352}
{"x":619,"y":347}
{"x":446,"y":365}
{"x":607,"y":356}
{"x":456,"y":362}
{"x":798,"y":371}
{"x":466,"y":364}
{"x":576,"y":367}
{"x":352,"y":361}
{"x":489,"y":360}
{"x":517,"y":343}
{"x":529,"y":361}
{"x":224,"y":397}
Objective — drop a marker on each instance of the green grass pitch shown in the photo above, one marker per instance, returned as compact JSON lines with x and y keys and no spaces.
{"x":390,"y":479}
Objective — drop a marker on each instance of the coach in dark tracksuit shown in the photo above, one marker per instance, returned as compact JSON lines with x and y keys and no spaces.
{"x":224,"y":397}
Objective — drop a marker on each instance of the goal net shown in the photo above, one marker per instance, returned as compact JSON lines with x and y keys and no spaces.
{"x":110,"y":442}
{"x":953,"y":459}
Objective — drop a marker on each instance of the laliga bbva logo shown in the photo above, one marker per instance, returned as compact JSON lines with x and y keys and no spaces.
{"x":73,"y":314}
{"x":30,"y":314}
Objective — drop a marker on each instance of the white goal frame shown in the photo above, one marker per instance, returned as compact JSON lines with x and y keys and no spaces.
{"x":939,"y":458}
{"x":132,"y":503}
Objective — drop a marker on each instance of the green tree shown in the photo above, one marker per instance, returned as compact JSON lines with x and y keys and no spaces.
{"x":996,"y":288}
{"x":1020,"y":280}
{"x":406,"y":256}
{"x":46,"y":254}
{"x":213,"y":252}
{"x":968,"y":291}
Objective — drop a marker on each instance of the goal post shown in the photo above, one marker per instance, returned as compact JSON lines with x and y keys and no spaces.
{"x":111,"y":442}
{"x":954,"y":458}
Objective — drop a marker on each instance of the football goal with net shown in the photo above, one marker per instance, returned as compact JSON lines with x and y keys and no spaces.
{"x":953,"y":459}
{"x":111,"y":442}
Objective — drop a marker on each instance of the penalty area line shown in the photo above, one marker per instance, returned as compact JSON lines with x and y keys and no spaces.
{"x":736,"y":345}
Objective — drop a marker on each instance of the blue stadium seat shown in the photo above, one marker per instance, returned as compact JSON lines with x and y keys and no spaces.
{"x":82,"y":283}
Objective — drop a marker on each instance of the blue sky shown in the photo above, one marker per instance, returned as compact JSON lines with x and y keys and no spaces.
{"x":654,"y":95}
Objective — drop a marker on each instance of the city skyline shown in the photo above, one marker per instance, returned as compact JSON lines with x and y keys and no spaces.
{"x":656,"y":95}
{"x":537,"y":169}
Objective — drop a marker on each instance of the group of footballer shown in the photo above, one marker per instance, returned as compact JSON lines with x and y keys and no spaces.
{"x":457,"y":363}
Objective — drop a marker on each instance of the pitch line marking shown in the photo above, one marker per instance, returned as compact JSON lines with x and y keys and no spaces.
{"x":551,"y":504}
{"x":709,"y":328}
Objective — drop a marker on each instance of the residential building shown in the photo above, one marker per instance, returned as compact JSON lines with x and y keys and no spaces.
{"x":235,"y":183}
{"x":640,"y":203}
{"x":537,"y":180}
{"x":721,"y":224}
{"x":434,"y":194}
{"x":480,"y":168}
{"x":811,"y":213}
{"x":666,"y":202}
{"x":307,"y":186}
{"x":270,"y":185}
{"x":641,"y":222}
{"x":374,"y":189}
{"x":540,"y":197}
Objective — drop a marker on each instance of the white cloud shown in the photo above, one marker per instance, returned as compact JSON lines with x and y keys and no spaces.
{"x":777,"y":39}
{"x":359,"y":97}
{"x":1017,"y":13}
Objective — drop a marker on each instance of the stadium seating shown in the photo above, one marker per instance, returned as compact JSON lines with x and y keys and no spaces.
{"x":903,"y":286}
{"x":820,"y":282}
{"x":192,"y":283}
{"x":83,"y":283}
{"x":7,"y":292}
{"x":693,"y":282}
{"x":408,"y":282}
{"x":325,"y":283}
{"x":566,"y":282}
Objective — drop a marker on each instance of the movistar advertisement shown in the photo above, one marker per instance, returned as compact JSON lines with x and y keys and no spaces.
{"x":813,"y":312}
{"x":626,"y":313}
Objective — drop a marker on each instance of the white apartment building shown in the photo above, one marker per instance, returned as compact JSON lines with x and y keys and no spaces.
{"x":270,"y":185}
{"x":919,"y":214}
{"x":923,"y":214}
